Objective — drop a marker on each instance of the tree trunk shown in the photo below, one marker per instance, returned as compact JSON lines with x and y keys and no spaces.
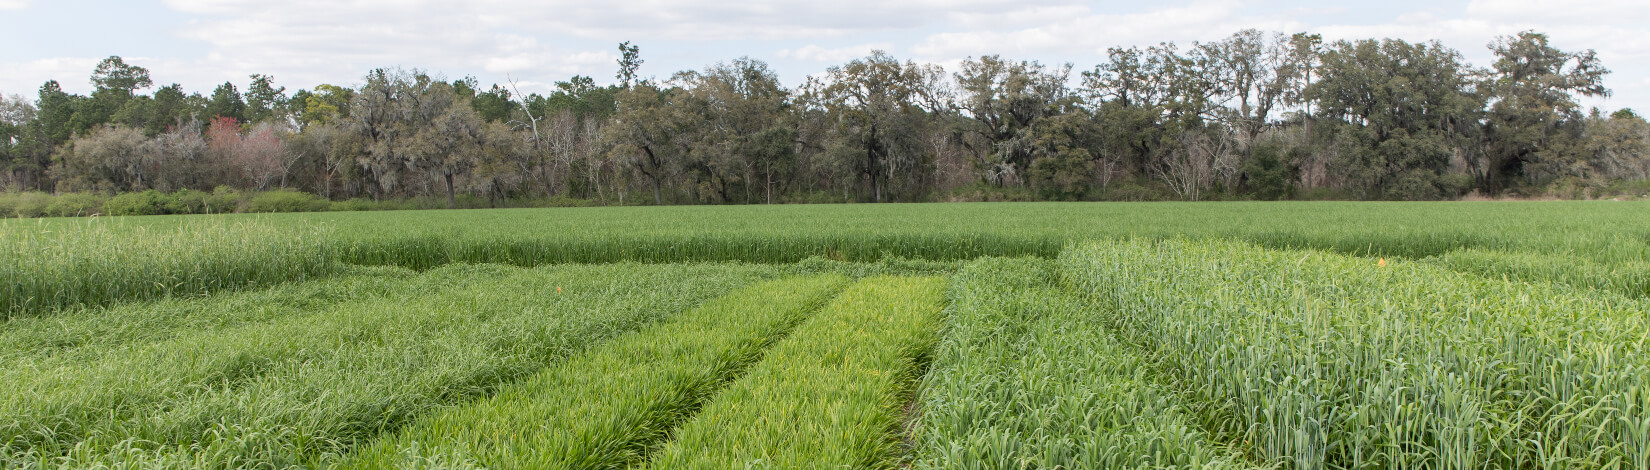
{"x":451,"y":196}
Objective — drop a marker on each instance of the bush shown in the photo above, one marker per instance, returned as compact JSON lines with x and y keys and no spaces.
{"x":26,"y":204}
{"x":1132,"y":191}
{"x":356,"y":204}
{"x":287,"y":200}
{"x":187,"y":202}
{"x":75,"y":205}
{"x":981,"y":192}
{"x":149,"y":202}
{"x":223,"y":200}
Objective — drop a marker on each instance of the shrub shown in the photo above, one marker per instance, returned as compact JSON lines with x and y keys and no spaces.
{"x":149,"y":202}
{"x":356,"y":204}
{"x":187,"y":202}
{"x":287,"y":200}
{"x":223,"y":200}
{"x":29,"y":204}
{"x":75,"y":205}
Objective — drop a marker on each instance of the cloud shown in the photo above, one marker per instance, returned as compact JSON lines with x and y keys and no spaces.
{"x":26,"y":77}
{"x":815,"y":53}
{"x":1074,"y":32}
{"x":14,"y":4}
{"x":1546,"y":11}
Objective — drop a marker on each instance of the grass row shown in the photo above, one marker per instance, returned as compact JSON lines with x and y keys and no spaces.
{"x":52,"y":264}
{"x":97,"y":262}
{"x":90,"y":332}
{"x":311,"y":384}
{"x":606,"y":409}
{"x":832,"y":395}
{"x":1314,"y":360}
{"x":1027,"y":376}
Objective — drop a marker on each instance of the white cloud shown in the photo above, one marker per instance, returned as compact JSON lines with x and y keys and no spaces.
{"x":25,"y":78}
{"x":13,"y":4}
{"x":1590,"y":11}
{"x":1070,"y":32}
{"x":816,"y":53}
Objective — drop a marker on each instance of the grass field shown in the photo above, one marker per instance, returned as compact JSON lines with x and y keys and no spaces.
{"x":972,"y":336}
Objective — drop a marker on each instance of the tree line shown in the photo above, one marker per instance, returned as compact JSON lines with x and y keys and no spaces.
{"x":1256,"y":115}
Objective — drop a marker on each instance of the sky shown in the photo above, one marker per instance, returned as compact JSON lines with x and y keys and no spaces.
{"x":304,"y":43}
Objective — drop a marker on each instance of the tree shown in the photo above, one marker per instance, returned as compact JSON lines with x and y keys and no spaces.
{"x":110,"y":158}
{"x":115,"y":75}
{"x":1534,"y":128}
{"x":648,"y":133}
{"x":1002,"y":100}
{"x":327,"y":103}
{"x":1255,"y":74}
{"x":1618,"y":146}
{"x":745,"y":138}
{"x":450,"y":143}
{"x":879,"y":106}
{"x":1403,"y":111}
{"x":264,"y":101}
{"x":262,"y":157}
{"x":226,"y":102}
{"x":630,"y":59}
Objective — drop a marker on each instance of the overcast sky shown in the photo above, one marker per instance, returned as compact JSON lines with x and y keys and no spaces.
{"x":201,"y":43}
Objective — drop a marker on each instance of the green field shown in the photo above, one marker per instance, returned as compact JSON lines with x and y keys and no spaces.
{"x":973,"y":336}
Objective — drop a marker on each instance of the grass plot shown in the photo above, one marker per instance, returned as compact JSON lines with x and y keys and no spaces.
{"x":830,"y":396}
{"x":607,"y":408}
{"x":1027,"y":376}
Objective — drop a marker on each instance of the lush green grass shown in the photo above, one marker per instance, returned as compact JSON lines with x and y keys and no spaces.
{"x":1318,"y":360}
{"x":1027,"y":376}
{"x":606,"y":409}
{"x":307,"y":383}
{"x":56,"y":263}
{"x":100,"y":261}
{"x":832,"y":395}
{"x":90,"y":332}
{"x":1497,"y":335}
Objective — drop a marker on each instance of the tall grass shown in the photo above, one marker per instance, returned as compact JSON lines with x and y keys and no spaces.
{"x":606,"y":409}
{"x":99,"y":261}
{"x":1027,"y":376}
{"x":832,"y":395}
{"x":60,"y":263}
{"x":294,"y":389}
{"x":1315,"y":360}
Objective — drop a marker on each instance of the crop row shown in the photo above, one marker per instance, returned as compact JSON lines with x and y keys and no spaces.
{"x":832,"y":395}
{"x":93,"y":262}
{"x":1027,"y":376}
{"x":607,"y":408}
{"x":302,"y":385}
{"x":1316,"y":360}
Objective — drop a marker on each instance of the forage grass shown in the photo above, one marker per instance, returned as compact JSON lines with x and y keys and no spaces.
{"x":606,"y":409}
{"x":1316,"y":360}
{"x":831,"y":395}
{"x":304,"y":388}
{"x":1027,"y":376}
{"x":96,"y":261}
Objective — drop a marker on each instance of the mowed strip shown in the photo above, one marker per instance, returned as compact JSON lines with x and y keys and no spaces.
{"x":304,"y":388}
{"x":830,"y":396}
{"x":1027,"y":376}
{"x":606,"y":408}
